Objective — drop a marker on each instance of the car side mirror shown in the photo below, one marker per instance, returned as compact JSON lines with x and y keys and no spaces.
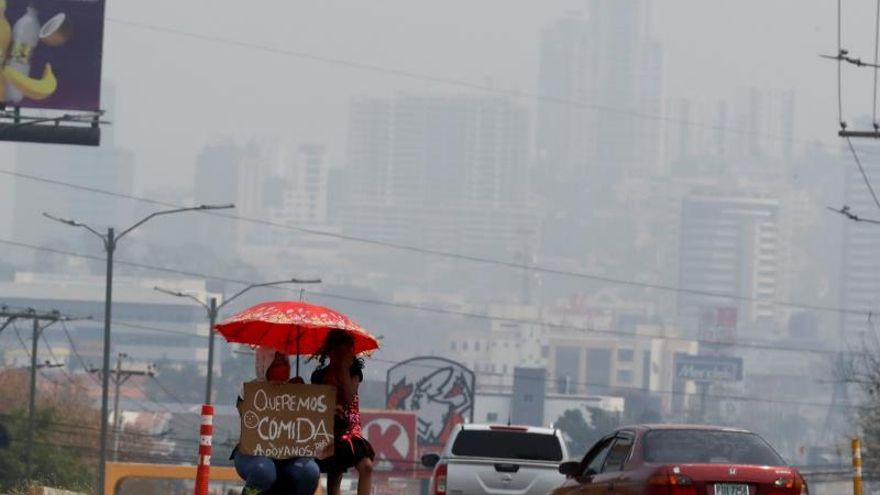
{"x":569,"y":469}
{"x":430,"y":460}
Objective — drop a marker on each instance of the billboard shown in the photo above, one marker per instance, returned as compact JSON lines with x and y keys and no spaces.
{"x":393,"y":437}
{"x":439,"y":390}
{"x":707,"y":369}
{"x":718,"y":325}
{"x":50,"y":53}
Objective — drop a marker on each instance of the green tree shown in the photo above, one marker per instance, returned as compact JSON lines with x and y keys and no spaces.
{"x":59,"y":459}
{"x":579,"y":434}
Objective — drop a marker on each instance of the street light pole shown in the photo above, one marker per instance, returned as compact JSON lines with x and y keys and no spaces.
{"x":32,"y":400}
{"x":110,"y":247}
{"x":110,"y":240}
{"x":213,"y":310}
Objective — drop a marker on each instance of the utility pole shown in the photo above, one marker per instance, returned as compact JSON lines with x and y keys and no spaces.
{"x":37,"y":329}
{"x":213,"y":310}
{"x":120,"y":376}
{"x":110,"y":240}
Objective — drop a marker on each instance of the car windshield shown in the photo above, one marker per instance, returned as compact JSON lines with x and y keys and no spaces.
{"x":498,"y":444}
{"x":708,"y":447}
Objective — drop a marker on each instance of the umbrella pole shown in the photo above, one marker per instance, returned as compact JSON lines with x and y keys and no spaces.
{"x":297,"y":350}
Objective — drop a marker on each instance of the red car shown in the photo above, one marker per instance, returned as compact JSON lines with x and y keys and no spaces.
{"x":681,"y":460}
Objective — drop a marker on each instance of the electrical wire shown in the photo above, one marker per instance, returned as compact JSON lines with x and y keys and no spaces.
{"x":144,"y":392}
{"x":876,"y":62}
{"x":428,"y":251}
{"x":76,"y":383}
{"x":86,"y":368}
{"x":865,"y":178}
{"x":840,"y":67}
{"x":618,"y":388}
{"x":361,"y":66}
{"x":437,"y":253}
{"x":28,"y":354}
{"x":428,"y":309}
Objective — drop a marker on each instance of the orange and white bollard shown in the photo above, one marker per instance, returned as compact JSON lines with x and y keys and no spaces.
{"x":206,"y":434}
{"x":857,"y":466}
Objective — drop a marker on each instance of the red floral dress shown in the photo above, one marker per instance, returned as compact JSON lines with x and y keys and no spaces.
{"x":350,"y":446}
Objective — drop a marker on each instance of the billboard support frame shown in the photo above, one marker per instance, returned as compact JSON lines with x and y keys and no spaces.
{"x":81,"y":128}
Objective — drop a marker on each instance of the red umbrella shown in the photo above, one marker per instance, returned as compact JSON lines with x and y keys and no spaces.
{"x":292,"y":327}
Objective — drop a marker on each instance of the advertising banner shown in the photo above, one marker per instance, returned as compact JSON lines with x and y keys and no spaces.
{"x":393,"y":436}
{"x":283,"y":420}
{"x":439,"y":390}
{"x":50,"y":53}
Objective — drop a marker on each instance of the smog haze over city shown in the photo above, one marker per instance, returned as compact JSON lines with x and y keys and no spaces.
{"x":636,"y":209}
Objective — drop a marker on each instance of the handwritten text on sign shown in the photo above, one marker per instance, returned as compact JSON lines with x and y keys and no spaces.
{"x":283,"y":420}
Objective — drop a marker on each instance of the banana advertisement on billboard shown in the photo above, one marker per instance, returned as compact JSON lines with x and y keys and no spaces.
{"x":50,"y":53}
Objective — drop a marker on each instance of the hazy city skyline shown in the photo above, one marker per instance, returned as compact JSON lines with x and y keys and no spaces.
{"x":646,"y":156}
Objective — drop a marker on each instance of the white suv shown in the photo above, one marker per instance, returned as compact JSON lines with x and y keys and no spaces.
{"x":498,"y":460}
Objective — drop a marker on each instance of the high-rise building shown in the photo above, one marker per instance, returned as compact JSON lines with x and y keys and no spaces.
{"x":304,"y":200}
{"x":860,"y":264}
{"x":216,"y":182}
{"x":756,"y":124}
{"x":442,"y":171}
{"x":289,"y":187}
{"x":601,"y":79}
{"x":731,"y":244}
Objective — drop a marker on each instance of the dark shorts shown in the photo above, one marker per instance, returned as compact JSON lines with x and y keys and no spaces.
{"x":346,"y":454}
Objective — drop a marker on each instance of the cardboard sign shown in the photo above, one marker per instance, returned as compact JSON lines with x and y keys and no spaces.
{"x":283,"y":420}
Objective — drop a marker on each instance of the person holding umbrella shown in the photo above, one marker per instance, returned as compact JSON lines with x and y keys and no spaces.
{"x":294,"y":328}
{"x":261,"y":474}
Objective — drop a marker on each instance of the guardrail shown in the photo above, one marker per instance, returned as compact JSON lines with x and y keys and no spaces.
{"x":119,"y":471}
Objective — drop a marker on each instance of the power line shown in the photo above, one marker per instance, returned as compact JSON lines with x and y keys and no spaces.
{"x":28,"y":354}
{"x":87,"y":369}
{"x":424,"y":309}
{"x":63,"y":371}
{"x":408,"y":74}
{"x":444,"y":254}
{"x":876,"y":62}
{"x":597,"y":385}
{"x":840,"y":54}
{"x":862,"y":171}
{"x":613,"y":388}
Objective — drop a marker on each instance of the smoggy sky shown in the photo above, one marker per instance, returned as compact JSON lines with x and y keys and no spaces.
{"x":177,"y":93}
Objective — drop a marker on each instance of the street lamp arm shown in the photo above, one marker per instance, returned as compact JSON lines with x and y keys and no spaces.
{"x":169,"y":212}
{"x":74,"y":223}
{"x":268,"y":284}
{"x":181,"y":294}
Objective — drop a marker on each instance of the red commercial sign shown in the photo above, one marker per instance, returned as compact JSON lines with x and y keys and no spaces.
{"x":393,"y":436}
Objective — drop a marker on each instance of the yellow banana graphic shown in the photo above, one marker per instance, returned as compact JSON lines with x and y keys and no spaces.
{"x":35,"y":89}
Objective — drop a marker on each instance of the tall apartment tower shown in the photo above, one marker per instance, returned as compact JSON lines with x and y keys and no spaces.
{"x":448,"y":172}
{"x":599,"y":73}
{"x":732,"y":244}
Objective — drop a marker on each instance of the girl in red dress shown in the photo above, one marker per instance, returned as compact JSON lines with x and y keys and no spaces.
{"x":350,"y":449}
